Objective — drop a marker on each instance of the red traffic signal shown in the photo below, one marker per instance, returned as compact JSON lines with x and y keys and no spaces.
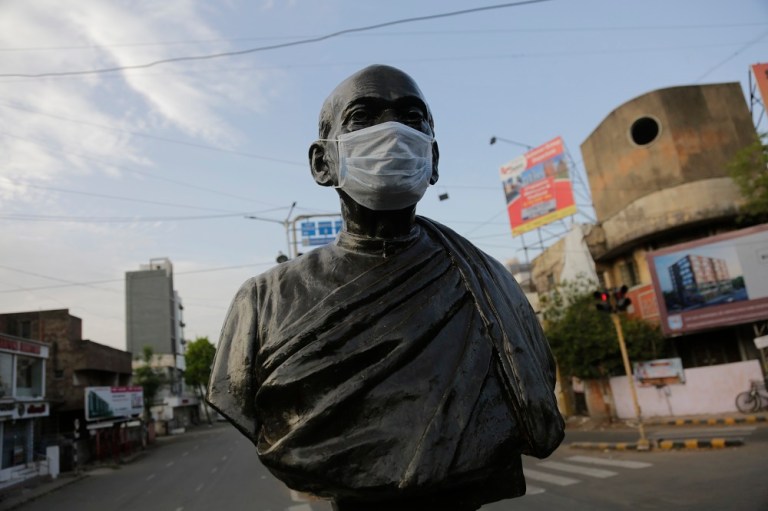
{"x":603,"y":301}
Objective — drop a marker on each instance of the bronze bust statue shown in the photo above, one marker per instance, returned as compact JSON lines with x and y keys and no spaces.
{"x":399,"y":367}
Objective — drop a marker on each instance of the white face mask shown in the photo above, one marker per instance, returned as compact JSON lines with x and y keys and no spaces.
{"x":386,"y":166}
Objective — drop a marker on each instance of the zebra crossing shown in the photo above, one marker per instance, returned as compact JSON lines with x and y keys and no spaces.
{"x":575,"y":469}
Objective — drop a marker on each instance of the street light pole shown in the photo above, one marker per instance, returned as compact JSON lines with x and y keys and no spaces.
{"x":285,"y":223}
{"x":508,"y":141}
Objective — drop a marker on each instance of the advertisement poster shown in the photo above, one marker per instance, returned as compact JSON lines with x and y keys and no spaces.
{"x":537,"y":187}
{"x":113,"y":402}
{"x":712,"y":282}
{"x":761,"y":77}
{"x":663,"y":371}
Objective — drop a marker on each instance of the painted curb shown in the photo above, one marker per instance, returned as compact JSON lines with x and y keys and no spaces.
{"x":602,"y":446}
{"x":693,"y":443}
{"x":722,"y":421}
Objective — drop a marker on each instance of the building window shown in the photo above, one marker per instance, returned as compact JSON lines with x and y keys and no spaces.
{"x":644,"y":130}
{"x":29,"y":377}
{"x":26,"y":329}
{"x":628,"y":273}
{"x":6,"y":375}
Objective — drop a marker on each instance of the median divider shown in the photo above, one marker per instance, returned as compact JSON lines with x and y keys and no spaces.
{"x":694,"y":443}
{"x":665,"y":445}
{"x":718,"y":421}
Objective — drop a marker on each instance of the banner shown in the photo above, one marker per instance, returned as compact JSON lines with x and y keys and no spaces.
{"x":761,"y":77}
{"x":712,"y":282}
{"x":113,"y":402}
{"x":663,"y":371}
{"x":537,"y":187}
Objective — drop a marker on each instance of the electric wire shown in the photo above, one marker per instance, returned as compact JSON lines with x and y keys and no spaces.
{"x":310,"y":40}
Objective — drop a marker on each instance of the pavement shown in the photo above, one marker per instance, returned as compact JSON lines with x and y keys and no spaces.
{"x":29,"y":490}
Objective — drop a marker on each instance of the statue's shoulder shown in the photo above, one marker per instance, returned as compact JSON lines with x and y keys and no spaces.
{"x":293,"y":270}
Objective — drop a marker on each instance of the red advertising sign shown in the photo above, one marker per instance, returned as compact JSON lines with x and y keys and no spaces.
{"x":537,"y":187}
{"x":761,"y":77}
{"x":19,"y":346}
{"x":712,"y":282}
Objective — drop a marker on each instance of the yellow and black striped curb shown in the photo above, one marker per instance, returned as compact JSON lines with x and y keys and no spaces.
{"x":602,"y":446}
{"x":721,"y":421}
{"x":693,"y":443}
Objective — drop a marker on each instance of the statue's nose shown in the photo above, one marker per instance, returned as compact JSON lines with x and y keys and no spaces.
{"x":387,"y":115}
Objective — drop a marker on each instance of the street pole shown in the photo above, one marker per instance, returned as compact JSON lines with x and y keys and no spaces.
{"x":642,"y":443}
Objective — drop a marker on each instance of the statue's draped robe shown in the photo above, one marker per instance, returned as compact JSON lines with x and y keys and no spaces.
{"x":366,"y":370}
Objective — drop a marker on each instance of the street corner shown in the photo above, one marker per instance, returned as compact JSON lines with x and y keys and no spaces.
{"x":695,"y":443}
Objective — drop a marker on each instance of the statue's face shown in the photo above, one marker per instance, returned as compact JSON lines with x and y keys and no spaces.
{"x":376,"y":95}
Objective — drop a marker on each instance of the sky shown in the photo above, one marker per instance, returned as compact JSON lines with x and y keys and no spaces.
{"x":102,"y":171}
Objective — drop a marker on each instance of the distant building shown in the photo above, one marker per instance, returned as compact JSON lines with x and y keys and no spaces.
{"x":154,"y":319}
{"x":64,"y":365}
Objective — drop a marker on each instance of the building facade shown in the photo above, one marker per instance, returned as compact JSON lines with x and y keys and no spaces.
{"x":658,"y":172}
{"x":72,"y":365}
{"x":154,"y":319}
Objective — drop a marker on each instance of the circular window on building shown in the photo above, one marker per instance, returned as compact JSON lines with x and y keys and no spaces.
{"x":644,"y":130}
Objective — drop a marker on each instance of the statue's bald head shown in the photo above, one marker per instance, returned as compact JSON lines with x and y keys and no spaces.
{"x":373,"y":83}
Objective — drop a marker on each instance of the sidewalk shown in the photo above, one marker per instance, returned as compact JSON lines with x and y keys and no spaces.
{"x":699,"y":422}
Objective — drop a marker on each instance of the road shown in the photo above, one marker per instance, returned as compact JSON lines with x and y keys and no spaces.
{"x":216,"y":469}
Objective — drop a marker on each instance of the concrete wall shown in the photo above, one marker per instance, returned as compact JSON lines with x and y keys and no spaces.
{"x":707,"y":390}
{"x":676,"y":178}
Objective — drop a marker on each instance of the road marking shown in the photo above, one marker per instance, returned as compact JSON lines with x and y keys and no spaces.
{"x":179,"y":509}
{"x":169,"y":464}
{"x":214,"y":470}
{"x":223,"y":458}
{"x":300,"y":507}
{"x":577,"y":469}
{"x":150,"y":477}
{"x":533,"y":490}
{"x":610,"y":463}
{"x":200,"y":487}
{"x":543,"y":477}
{"x":186,"y":453}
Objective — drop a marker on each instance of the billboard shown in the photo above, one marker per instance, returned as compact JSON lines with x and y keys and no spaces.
{"x":113,"y":402}
{"x":712,"y":282}
{"x":537,"y":187}
{"x":320,"y":232}
{"x":761,"y":77}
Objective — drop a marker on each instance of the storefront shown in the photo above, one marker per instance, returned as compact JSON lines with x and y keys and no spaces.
{"x":22,"y":402}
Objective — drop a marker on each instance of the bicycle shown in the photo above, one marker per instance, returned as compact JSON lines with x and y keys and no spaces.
{"x":756,"y":398}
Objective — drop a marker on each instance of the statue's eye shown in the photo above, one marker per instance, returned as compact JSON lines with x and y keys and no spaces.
{"x":359,"y":115}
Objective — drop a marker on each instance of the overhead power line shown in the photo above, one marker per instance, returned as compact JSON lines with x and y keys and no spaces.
{"x":274,"y":46}
{"x":419,"y":33}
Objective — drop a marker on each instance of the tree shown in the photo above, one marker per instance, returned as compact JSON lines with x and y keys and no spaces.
{"x":749,"y":169}
{"x":199,"y":359}
{"x":150,"y":379}
{"x":584,"y":340}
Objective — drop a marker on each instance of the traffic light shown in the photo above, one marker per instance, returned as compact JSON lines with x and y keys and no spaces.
{"x":622,"y":300}
{"x":603,"y":301}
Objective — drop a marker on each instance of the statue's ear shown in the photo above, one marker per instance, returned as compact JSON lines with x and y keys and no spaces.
{"x":435,"y":159}
{"x":320,"y":164}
